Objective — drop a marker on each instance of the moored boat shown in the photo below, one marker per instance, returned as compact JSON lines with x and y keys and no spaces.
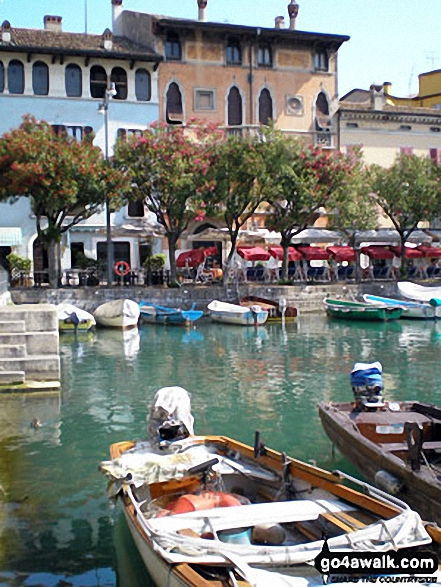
{"x":351,"y":310}
{"x":155,"y":314}
{"x":207,"y":510}
{"x":396,"y":445}
{"x":422,"y":293}
{"x":122,"y":313}
{"x":411,"y":309}
{"x":277,"y":310}
{"x":235,"y":314}
{"x":73,"y":319}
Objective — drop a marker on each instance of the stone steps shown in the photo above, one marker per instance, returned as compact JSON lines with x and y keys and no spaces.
{"x":38,"y":367}
{"x":12,"y":326}
{"x":12,"y":351}
{"x":12,"y":377}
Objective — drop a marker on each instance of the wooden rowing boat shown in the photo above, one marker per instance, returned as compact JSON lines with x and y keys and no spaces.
{"x":277,"y":310}
{"x":351,"y":310}
{"x":210,"y":510}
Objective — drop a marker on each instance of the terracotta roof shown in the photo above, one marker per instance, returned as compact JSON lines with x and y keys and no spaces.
{"x":388,"y":109}
{"x":45,"y":41}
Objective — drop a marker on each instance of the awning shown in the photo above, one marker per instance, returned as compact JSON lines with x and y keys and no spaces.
{"x":10,"y":236}
{"x":277,"y":253}
{"x":409,"y":252}
{"x":342,"y":253}
{"x":191,"y":258}
{"x":433,"y":252}
{"x":316,"y":235}
{"x":253,"y":253}
{"x":389,"y":236}
{"x":314,"y":253}
{"x":378,"y":252}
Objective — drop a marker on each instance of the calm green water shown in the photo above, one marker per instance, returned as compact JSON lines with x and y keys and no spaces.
{"x":56,"y":526}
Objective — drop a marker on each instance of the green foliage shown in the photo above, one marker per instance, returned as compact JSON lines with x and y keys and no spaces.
{"x":155,"y":262}
{"x":168,"y":168}
{"x":18,"y":263}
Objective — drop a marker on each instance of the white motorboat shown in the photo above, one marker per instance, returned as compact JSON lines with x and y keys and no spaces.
{"x":73,"y":319}
{"x":122,"y":313}
{"x":411,"y":308}
{"x":422,"y":293}
{"x":234,"y":314}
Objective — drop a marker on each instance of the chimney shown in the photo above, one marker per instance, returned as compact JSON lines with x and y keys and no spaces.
{"x":387,"y":88}
{"x":293,"y":11}
{"x":117,"y":9}
{"x":202,"y":4}
{"x":52,"y":23}
{"x":107,"y":40}
{"x":378,"y":99}
{"x":6,"y":32}
{"x":279,"y":22}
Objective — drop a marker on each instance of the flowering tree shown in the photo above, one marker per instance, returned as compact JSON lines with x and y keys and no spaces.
{"x":65,"y":180}
{"x":236,"y":173}
{"x":300,"y":179}
{"x":408,"y":192}
{"x":168,"y":168}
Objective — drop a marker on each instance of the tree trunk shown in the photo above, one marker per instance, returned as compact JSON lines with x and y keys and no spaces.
{"x":227,"y":267}
{"x":172,"y":254}
{"x":54,"y":264}
{"x":285,"y":262}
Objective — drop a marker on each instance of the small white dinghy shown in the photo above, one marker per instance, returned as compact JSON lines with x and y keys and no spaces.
{"x":234,"y":314}
{"x":73,"y":319}
{"x":123,"y":313}
{"x":422,"y":293}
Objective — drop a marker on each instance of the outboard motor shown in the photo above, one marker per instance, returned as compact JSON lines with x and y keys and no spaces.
{"x":367,"y":385}
{"x":170,"y":417}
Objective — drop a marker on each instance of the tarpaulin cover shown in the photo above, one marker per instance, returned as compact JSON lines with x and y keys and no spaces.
{"x":433,"y":252}
{"x":191,"y":258}
{"x":367,"y":374}
{"x":377,"y":252}
{"x":409,"y":252}
{"x":342,"y":253}
{"x":314,"y":253}
{"x":277,"y":253}
{"x":253,"y":253}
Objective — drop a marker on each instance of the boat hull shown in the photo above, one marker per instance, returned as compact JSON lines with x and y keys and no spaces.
{"x":415,"y":310}
{"x":82,"y":326}
{"x":152,"y":314}
{"x":417,"y":487}
{"x":274,"y":309}
{"x":123,"y":314}
{"x":226,"y":313}
{"x":346,"y":310}
{"x":422,"y":293}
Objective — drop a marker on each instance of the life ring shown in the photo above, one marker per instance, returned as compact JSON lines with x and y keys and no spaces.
{"x":122,"y":268}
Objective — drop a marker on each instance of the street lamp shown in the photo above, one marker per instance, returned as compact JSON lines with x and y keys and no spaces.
{"x":104,"y":109}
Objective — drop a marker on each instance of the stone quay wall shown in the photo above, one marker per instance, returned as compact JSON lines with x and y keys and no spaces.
{"x":306,"y":297}
{"x":29,"y":345}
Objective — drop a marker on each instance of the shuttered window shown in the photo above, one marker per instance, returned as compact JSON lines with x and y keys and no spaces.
{"x":265,"y":107}
{"x":234,"y":107}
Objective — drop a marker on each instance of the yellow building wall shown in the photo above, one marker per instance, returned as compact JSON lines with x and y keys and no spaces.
{"x":203,"y":67}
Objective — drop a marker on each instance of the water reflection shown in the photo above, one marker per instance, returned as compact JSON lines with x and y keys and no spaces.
{"x":55,"y":522}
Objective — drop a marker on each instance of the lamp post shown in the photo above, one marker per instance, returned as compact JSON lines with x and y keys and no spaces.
{"x":104,"y":109}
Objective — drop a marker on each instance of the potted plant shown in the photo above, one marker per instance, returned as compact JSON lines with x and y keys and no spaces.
{"x":154,"y":265}
{"x":19,"y":269}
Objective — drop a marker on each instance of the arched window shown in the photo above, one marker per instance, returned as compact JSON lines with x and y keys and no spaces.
{"x":173,"y":50}
{"x":174,"y":113}
{"x":2,"y":77}
{"x":322,"y":118}
{"x":234,"y":107}
{"x":265,"y":107}
{"x":73,"y":80}
{"x":40,"y":79}
{"x":264,"y":56}
{"x":119,"y":78}
{"x":136,"y":209}
{"x":98,"y":81}
{"x":16,"y":77}
{"x":234,"y":53}
{"x":143,"y":85}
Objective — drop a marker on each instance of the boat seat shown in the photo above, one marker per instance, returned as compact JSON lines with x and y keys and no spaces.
{"x":436,"y":446}
{"x":394,"y":446}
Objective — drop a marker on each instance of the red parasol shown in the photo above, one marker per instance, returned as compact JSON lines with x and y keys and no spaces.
{"x":409,"y":252}
{"x":191,"y":258}
{"x":432,"y":252}
{"x":253,"y":253}
{"x":342,"y":253}
{"x":378,"y":252}
{"x":314,"y":253}
{"x":276,"y":251}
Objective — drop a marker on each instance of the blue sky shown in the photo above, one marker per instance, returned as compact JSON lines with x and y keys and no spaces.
{"x":391,"y":40}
